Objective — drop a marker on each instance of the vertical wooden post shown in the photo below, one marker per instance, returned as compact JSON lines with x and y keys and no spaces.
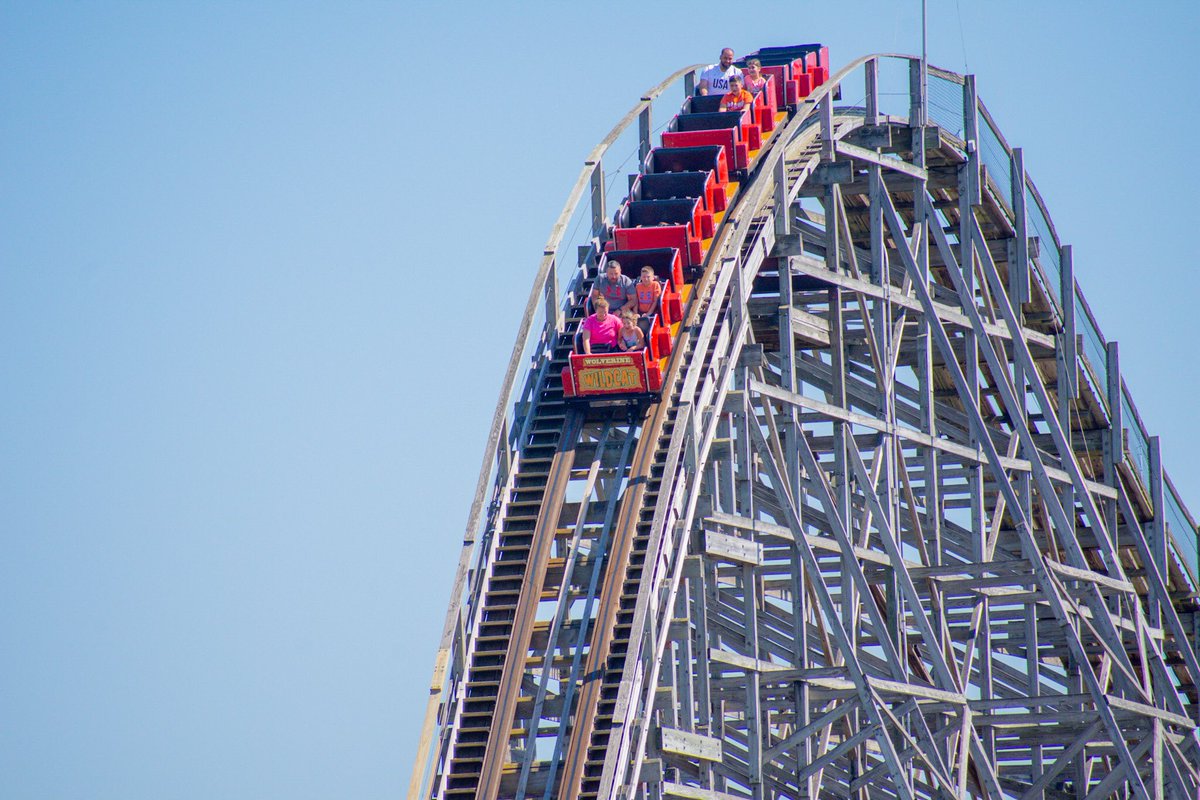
{"x":826,"y":111}
{"x":554,"y":317}
{"x":644,"y":132}
{"x":871,"y":73}
{"x":783,"y":214}
{"x":1070,"y":342}
{"x":1115,"y":441}
{"x":1156,"y":529}
{"x":916,"y":99}
{"x":1018,"y":263}
{"x":598,"y":205}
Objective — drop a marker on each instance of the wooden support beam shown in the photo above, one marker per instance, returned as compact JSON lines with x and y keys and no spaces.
{"x":689,"y":745}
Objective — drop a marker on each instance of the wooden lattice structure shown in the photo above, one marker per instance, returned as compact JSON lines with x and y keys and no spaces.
{"x":896,"y":529}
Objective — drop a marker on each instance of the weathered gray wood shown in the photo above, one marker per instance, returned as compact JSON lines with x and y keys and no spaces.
{"x":810,"y":328}
{"x":872,"y":157}
{"x":916,"y":437}
{"x":731,"y":548}
{"x":691,"y":745}
{"x":746,"y":663}
{"x":869,"y":507}
{"x":694,"y":793}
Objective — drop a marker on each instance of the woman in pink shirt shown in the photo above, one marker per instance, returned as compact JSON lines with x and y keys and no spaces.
{"x":600,"y":330}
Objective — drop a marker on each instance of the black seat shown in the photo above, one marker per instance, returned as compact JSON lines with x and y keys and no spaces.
{"x":646,"y":213}
{"x":774,"y":56}
{"x":662,"y":259}
{"x":668,"y":185}
{"x":702,"y":158}
{"x":704,"y":103}
{"x":707,"y":122}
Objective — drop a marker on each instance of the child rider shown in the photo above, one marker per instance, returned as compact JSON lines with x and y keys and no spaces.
{"x":630,"y":336}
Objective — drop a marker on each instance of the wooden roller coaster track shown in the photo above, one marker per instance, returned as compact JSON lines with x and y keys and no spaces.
{"x":895,"y":529}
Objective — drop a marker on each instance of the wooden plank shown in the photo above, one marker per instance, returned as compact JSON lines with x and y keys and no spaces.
{"x":970,"y":571}
{"x":746,"y":662}
{"x":810,"y":328}
{"x":780,"y":532}
{"x":696,"y":793}
{"x":832,"y":172}
{"x":833,"y":684}
{"x":871,"y":157}
{"x":922,"y":439}
{"x":747,"y":524}
{"x":690,"y":745}
{"x":1074,"y":573}
{"x":1042,"y":721}
{"x":808,"y":265}
{"x":732,"y":548}
{"x":1150,"y":711}
{"x":911,"y":690}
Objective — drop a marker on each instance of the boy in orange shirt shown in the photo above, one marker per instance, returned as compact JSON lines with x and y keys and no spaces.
{"x":738,"y":98}
{"x":648,"y":292}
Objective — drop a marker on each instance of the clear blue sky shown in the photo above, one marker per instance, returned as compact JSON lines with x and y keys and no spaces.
{"x":260,"y":270}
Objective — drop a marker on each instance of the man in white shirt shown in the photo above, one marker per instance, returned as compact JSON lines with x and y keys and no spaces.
{"x":715,"y":78}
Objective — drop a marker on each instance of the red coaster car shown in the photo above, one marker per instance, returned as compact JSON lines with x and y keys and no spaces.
{"x":767,"y":106}
{"x":797,"y":70}
{"x":763,"y":115}
{"x":734,"y":131}
{"x":643,"y":224}
{"x":675,"y":185}
{"x":638,"y":372}
{"x":704,"y":158}
{"x":620,"y":375}
{"x":666,"y":261}
{"x":614,"y":375}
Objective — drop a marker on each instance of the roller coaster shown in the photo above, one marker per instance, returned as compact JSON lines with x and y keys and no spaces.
{"x":889,"y":526}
